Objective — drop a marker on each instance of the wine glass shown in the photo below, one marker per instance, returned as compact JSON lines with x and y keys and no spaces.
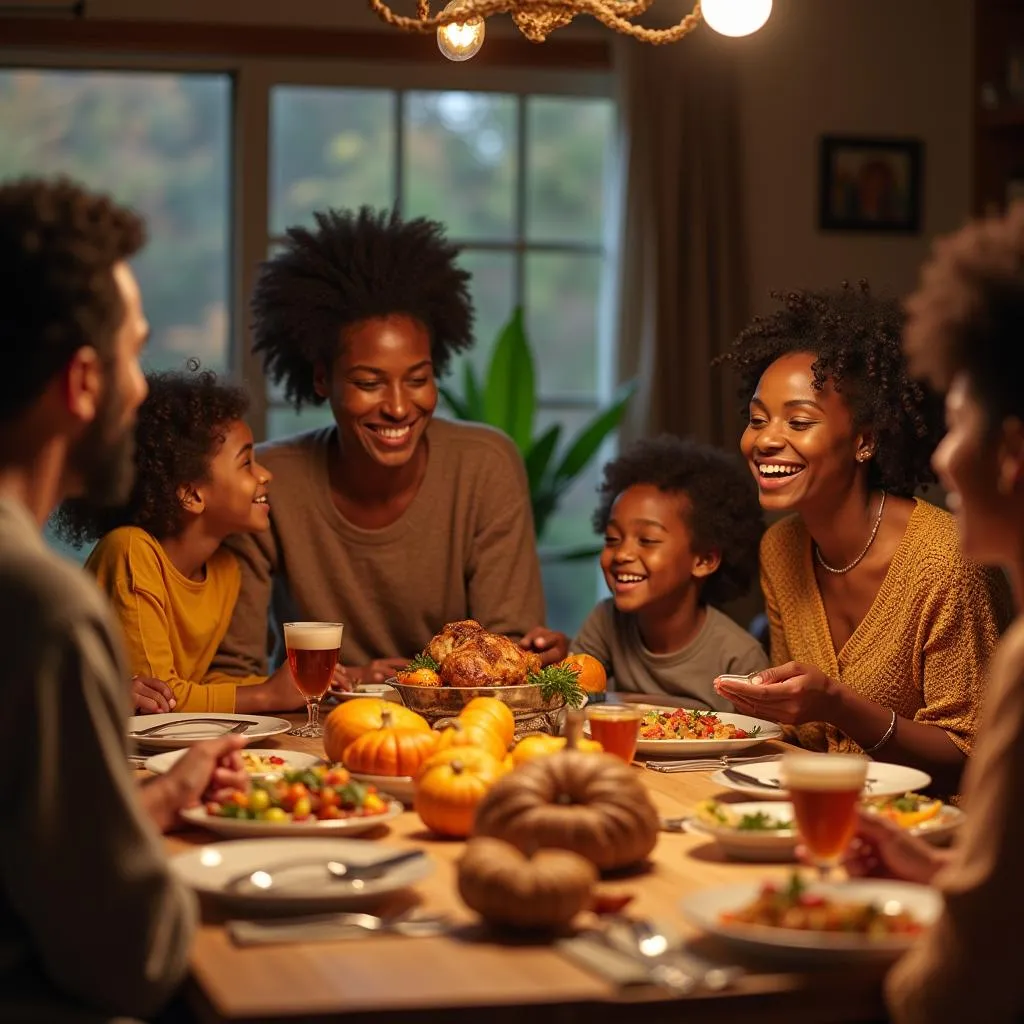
{"x":313,"y":650}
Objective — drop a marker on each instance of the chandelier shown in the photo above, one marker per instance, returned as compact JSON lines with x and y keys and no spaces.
{"x":460,"y":26}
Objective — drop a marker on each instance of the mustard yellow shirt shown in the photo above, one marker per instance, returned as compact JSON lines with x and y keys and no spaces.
{"x":172,"y":625}
{"x":922,"y":648}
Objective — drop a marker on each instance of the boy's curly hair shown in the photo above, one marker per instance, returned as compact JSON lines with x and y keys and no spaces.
{"x":968,"y":312}
{"x":58,"y":246}
{"x":353,"y":267}
{"x":181,"y":425}
{"x":856,"y":338}
{"x":721,"y":509}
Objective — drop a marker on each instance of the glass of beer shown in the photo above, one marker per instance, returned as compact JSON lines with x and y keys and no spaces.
{"x":616,"y":727}
{"x":313,"y":649}
{"x":825,"y":789}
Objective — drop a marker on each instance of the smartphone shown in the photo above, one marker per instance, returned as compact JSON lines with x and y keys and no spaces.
{"x":727,"y":678}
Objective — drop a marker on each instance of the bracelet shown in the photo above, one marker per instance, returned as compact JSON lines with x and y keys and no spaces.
{"x":885,"y":738}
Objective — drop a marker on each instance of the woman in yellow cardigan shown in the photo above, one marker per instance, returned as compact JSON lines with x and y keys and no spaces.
{"x":880,"y":629}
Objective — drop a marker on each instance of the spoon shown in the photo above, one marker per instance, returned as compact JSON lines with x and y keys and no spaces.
{"x":308,"y":926}
{"x":263,"y":878}
{"x":651,"y":947}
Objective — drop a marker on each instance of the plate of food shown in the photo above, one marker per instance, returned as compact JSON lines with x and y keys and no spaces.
{"x":173,"y":729}
{"x":688,"y":732}
{"x":921,"y":815}
{"x":381,"y":690}
{"x":862,"y":919}
{"x":258,"y":762}
{"x":762,"y":780}
{"x":748,"y":831}
{"x":312,"y":801}
{"x":300,"y":865}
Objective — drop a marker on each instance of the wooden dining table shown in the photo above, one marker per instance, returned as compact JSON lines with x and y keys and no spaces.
{"x":471,"y":973}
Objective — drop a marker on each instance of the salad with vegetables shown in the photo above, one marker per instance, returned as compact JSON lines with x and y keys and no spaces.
{"x":687,"y":724}
{"x":711,"y":812}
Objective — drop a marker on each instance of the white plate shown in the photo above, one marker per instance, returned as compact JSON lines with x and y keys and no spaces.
{"x":708,"y":748}
{"x":401,"y":787}
{"x":294,"y":760}
{"x":704,"y":907}
{"x":754,"y":844}
{"x":249,"y":827}
{"x":381,"y":690}
{"x":180,"y":734}
{"x":883,"y":780}
{"x":208,"y":868}
{"x":940,"y":830}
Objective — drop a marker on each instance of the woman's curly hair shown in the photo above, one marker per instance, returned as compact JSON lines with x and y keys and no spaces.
{"x":856,"y":339}
{"x":967,"y":313}
{"x":353,"y":267}
{"x":58,"y":246}
{"x":721,"y":508}
{"x":181,"y":426}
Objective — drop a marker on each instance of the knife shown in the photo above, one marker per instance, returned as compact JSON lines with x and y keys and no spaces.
{"x":749,"y":780}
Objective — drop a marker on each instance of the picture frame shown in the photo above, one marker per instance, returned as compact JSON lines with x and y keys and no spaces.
{"x":870,"y":184}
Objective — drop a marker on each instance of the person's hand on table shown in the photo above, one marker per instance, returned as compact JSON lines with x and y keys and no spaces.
{"x":881,"y":849}
{"x":380,"y":670}
{"x":151,"y":696}
{"x":548,"y":644}
{"x":792,"y":694}
{"x":278,"y":693}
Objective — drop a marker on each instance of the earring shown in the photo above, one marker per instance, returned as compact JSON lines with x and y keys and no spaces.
{"x":863,"y":456}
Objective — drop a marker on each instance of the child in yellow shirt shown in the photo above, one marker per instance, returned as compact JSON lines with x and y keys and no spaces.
{"x":160,"y":558}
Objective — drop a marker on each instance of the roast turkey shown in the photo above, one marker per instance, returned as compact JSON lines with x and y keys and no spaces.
{"x":455,"y":634}
{"x":488,"y":659}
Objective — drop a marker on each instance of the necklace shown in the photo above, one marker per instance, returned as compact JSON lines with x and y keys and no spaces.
{"x":857,"y":560}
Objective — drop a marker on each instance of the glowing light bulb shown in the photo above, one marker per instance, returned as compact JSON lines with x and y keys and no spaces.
{"x":460,"y":40}
{"x":736,"y":17}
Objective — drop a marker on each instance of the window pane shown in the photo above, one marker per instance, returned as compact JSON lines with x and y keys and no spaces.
{"x":161,"y":144}
{"x":562,"y":291}
{"x":460,"y":162}
{"x":329,"y":147}
{"x":569,"y":143}
{"x":283,"y":421}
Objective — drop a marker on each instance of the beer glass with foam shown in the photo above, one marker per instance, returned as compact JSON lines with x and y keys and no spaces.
{"x":313,"y":649}
{"x":825,"y":789}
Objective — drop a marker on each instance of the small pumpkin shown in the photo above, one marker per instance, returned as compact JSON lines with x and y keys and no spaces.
{"x":459,"y":733}
{"x":506,"y":887}
{"x":451,"y":785}
{"x":418,"y":677}
{"x":540,"y":745}
{"x":348,"y":721}
{"x":591,"y":804}
{"x":491,"y":709}
{"x":389,"y":750}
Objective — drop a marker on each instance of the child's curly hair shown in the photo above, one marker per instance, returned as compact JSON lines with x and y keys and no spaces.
{"x":721,"y":507}
{"x":181,"y":425}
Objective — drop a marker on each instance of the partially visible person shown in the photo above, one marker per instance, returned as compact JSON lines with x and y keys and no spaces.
{"x":963,"y":334}
{"x":161,"y":558}
{"x":106,"y":937}
{"x":880,"y":628}
{"x":681,"y":525}
{"x":390,"y":521}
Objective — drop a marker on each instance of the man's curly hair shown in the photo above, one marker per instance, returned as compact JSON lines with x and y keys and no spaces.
{"x":354,"y":267}
{"x":856,"y":339}
{"x":181,"y":426}
{"x":967,"y":313}
{"x":58,"y":246}
{"x":721,"y":508}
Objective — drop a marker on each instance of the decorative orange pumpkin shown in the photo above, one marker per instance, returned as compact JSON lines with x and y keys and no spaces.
{"x":475,"y":733}
{"x":491,"y":709}
{"x":451,"y":785}
{"x":390,"y":751}
{"x":348,"y":721}
{"x":539,"y":745}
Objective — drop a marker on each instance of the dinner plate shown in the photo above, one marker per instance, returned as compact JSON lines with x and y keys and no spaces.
{"x":253,"y":827}
{"x":204,"y":725}
{"x":381,"y":690}
{"x":704,"y":908}
{"x":207,"y":869}
{"x":940,"y":830}
{"x":753,"y":844}
{"x":884,"y":779}
{"x":294,"y":760}
{"x":401,"y":787}
{"x":708,"y":748}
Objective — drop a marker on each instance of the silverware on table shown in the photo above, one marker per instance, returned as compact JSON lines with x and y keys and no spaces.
{"x":313,"y":927}
{"x":263,"y":878}
{"x":749,"y":780}
{"x":230,"y":725}
{"x":707,"y":764}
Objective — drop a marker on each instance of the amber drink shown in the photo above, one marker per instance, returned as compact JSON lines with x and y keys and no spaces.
{"x":313,"y":650}
{"x":616,"y":727}
{"x":825,"y":790}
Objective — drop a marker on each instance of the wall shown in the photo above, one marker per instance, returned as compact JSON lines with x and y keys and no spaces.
{"x":869,"y":67}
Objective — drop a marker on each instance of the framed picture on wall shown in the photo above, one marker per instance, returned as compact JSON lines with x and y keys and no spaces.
{"x":870,"y":184}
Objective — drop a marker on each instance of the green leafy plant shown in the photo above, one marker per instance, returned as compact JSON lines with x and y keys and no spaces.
{"x":507,"y":399}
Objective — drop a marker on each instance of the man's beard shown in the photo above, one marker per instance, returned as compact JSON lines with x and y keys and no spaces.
{"x":103,"y":458}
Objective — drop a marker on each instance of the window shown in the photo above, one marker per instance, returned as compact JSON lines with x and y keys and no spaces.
{"x":520,"y":183}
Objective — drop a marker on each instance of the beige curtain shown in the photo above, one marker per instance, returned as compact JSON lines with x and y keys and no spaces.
{"x":682,"y":282}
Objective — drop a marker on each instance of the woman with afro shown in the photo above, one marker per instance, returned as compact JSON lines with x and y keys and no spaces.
{"x":389,"y":520}
{"x":879,"y":627}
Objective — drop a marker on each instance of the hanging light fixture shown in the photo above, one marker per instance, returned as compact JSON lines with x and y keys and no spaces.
{"x":460,"y":26}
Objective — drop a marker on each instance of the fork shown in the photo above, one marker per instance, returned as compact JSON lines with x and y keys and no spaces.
{"x":707,"y":764}
{"x":155,"y":730}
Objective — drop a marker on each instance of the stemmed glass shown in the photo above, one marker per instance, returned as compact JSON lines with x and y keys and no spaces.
{"x":313,"y":650}
{"x":825,"y":789}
